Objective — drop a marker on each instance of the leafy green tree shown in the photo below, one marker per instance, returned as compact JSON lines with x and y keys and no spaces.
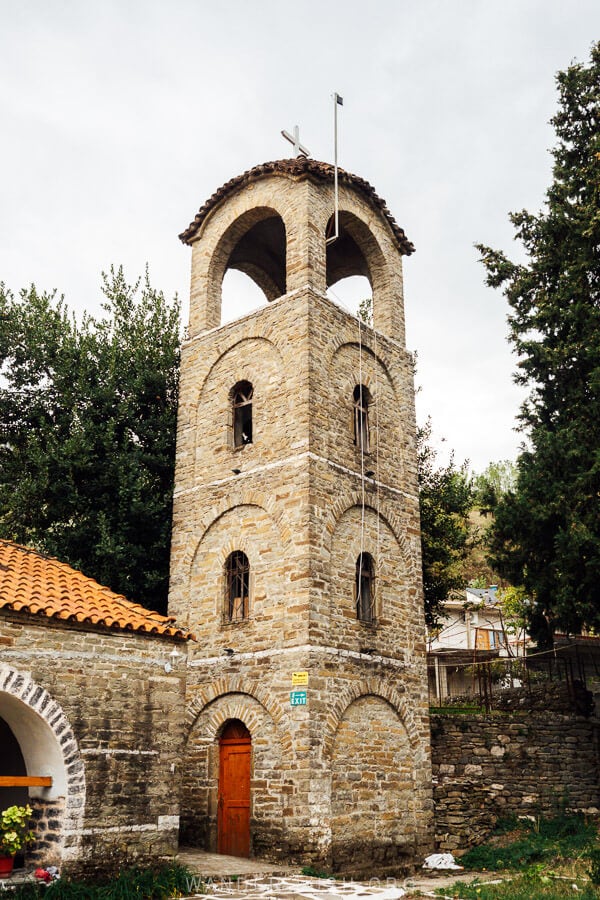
{"x":514,"y":606}
{"x":87,"y":443}
{"x":546,"y":535}
{"x":365,"y":311}
{"x":445,"y":499}
{"x":493,"y":483}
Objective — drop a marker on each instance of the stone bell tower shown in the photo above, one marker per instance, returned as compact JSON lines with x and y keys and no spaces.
{"x":296,"y":544}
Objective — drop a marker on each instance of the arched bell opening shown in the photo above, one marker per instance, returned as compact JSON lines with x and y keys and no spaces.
{"x":355,"y":295}
{"x":356,"y":269}
{"x":240,"y":295}
{"x":249,"y":265}
{"x":344,"y":255}
{"x":260,"y":254}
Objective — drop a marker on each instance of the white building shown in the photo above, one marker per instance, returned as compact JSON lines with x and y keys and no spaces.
{"x":473,"y":630}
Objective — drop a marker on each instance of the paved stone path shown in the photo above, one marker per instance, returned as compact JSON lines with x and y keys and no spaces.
{"x":233,"y":878}
{"x":299,"y":887}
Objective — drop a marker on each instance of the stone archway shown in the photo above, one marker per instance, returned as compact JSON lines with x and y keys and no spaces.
{"x":49,"y":751}
{"x":201,"y":771}
{"x":12,"y":765}
{"x":235,"y":773}
{"x":372,"y":788}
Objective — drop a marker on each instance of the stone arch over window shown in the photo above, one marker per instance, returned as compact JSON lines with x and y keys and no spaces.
{"x":364,"y":588}
{"x":49,"y":749}
{"x":358,"y":252}
{"x":355,"y":530}
{"x":237,"y":587}
{"x":361,"y":401}
{"x":254,"y":244}
{"x":241,"y":413}
{"x":252,"y":524}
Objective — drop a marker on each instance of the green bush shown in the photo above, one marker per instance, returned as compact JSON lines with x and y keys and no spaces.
{"x":312,"y":872}
{"x":594,"y":872}
{"x":172,"y":880}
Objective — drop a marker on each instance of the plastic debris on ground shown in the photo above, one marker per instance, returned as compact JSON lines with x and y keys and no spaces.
{"x":442,"y":862}
{"x":50,"y":873}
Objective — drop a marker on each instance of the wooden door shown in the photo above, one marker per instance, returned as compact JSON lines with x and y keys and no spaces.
{"x":233,"y":820}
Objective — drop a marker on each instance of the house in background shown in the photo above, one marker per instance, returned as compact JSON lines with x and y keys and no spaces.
{"x":473,"y":630}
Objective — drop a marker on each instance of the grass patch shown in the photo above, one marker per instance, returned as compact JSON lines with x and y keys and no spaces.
{"x":543,"y":859}
{"x":526,"y":886}
{"x":311,"y":872}
{"x":544,"y":840}
{"x":163,"y":883}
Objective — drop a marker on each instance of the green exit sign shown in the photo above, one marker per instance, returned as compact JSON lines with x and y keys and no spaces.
{"x":297,"y":698}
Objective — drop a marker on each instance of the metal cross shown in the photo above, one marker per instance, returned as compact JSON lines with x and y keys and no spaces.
{"x":299,"y":149}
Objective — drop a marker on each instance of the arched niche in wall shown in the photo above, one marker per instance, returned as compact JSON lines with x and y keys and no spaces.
{"x":40,"y":748}
{"x":254,"y":245}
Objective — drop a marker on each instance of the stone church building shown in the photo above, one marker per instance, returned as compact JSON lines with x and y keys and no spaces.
{"x":299,"y":727}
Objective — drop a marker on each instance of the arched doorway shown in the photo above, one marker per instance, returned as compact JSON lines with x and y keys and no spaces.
{"x":11,"y":764}
{"x":41,"y":759}
{"x":233,"y":820}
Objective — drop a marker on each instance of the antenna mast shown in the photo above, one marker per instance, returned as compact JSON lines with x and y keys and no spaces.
{"x":337,"y":101}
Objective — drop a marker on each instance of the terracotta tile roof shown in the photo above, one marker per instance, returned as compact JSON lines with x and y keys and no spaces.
{"x":39,"y":585}
{"x":300,"y":167}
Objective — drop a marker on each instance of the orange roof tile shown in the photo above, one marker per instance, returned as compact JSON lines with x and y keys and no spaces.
{"x":33,"y":583}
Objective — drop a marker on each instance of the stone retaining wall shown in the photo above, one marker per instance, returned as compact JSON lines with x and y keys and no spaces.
{"x":488,"y":766}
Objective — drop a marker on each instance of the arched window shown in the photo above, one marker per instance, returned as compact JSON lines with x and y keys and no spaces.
{"x":237,"y":586}
{"x":241,"y":400}
{"x":365,"y":588}
{"x":361,"y":400}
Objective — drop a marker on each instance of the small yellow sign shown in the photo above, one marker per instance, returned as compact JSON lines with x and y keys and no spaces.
{"x":299,"y":678}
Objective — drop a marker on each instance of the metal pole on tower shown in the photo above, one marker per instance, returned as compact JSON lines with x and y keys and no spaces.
{"x":337,"y":101}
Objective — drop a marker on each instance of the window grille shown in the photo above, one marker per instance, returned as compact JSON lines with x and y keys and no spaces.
{"x":361,"y":417}
{"x":365,"y":588}
{"x":237,"y":572}
{"x":242,"y":413}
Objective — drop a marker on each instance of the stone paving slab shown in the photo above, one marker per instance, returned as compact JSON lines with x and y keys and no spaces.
{"x":299,"y":887}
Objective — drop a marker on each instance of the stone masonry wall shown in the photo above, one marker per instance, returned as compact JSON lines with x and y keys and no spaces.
{"x":337,"y":783}
{"x":486,"y":767}
{"x":106,"y":720}
{"x":295,"y":509}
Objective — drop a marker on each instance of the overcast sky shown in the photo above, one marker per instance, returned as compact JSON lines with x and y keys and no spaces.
{"x":118,"y":119}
